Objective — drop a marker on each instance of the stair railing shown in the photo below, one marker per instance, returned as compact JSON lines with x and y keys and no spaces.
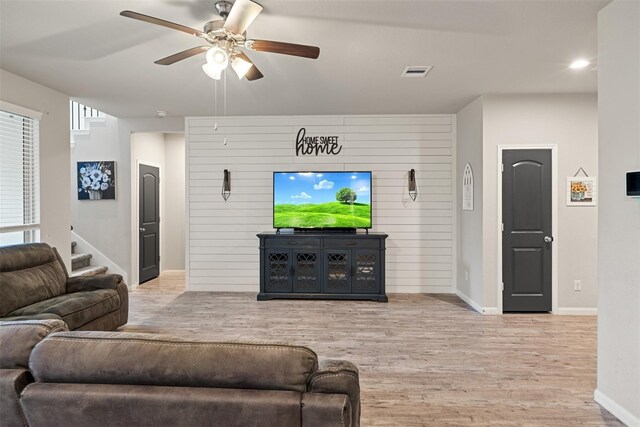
{"x":78,"y":114}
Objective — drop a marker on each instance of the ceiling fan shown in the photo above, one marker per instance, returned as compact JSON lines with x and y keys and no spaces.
{"x":225,"y":37}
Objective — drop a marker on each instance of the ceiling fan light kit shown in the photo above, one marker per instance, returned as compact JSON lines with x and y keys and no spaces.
{"x":226,"y":37}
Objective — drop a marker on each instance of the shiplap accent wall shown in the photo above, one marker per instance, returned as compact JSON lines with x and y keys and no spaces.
{"x":222,"y":247}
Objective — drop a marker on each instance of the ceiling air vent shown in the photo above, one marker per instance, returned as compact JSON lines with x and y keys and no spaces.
{"x":416,"y":71}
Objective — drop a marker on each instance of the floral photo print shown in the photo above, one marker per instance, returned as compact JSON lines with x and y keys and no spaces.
{"x":96,"y":180}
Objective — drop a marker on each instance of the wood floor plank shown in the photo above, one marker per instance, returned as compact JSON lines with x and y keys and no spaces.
{"x":424,"y":359}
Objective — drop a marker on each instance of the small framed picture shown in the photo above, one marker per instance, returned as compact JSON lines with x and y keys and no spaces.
{"x":582,"y":191}
{"x":96,"y":180}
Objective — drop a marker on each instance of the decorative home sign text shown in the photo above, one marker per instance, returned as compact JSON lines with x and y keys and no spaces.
{"x":314,"y":145}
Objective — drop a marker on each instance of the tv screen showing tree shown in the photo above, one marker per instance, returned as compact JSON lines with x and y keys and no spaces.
{"x":322,"y":199}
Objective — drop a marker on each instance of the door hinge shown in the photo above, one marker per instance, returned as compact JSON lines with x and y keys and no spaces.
{"x":502,"y":286}
{"x":502,"y":167}
{"x":502,"y":226}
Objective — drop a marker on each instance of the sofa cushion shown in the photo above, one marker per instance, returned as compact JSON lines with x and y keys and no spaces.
{"x":41,"y":316}
{"x":77,"y":308}
{"x":18,"y":338}
{"x":28,"y":274}
{"x":149,"y":359}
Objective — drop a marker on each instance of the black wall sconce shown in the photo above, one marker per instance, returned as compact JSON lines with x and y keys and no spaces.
{"x":413,"y":188}
{"x":226,"y":185}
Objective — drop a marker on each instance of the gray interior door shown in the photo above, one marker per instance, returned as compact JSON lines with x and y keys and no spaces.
{"x":149,"y":245}
{"x":526,"y":237}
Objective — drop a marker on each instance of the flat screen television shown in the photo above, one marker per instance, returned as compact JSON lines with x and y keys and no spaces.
{"x":633,"y":184}
{"x":322,"y":200}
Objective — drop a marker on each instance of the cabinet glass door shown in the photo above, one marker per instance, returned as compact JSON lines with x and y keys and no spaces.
{"x":278,"y":274}
{"x":337,"y":274}
{"x":366,"y":272}
{"x":306,"y":271}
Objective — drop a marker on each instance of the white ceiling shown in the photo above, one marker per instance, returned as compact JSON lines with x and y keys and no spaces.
{"x":85,"y":49}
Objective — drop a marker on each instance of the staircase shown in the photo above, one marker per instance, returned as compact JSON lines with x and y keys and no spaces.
{"x":81,"y":264}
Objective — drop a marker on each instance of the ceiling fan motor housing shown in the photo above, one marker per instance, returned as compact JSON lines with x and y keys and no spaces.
{"x":214,"y":27}
{"x":223,"y":8}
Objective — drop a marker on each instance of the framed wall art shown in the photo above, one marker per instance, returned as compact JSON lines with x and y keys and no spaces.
{"x":582,"y":191}
{"x":96,"y":180}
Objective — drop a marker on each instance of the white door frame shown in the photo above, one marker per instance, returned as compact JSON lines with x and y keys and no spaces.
{"x":554,"y":220}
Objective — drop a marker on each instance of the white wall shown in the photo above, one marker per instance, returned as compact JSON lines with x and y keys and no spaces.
{"x":55,"y":224}
{"x":469,"y":150}
{"x":100,"y":223}
{"x":174,"y":227}
{"x":223,"y":247}
{"x":619,"y":222}
{"x":571,"y":122}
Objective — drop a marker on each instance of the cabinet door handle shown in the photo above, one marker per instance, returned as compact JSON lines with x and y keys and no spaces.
{"x":350,"y":243}
{"x":293,"y":242}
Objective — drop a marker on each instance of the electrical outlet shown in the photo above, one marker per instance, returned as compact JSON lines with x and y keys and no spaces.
{"x":577,"y":285}
{"x":466,"y":275}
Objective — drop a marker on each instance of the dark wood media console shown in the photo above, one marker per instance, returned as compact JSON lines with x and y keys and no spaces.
{"x":322,"y":266}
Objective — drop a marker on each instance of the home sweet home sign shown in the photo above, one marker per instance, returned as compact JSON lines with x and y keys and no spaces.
{"x":316,"y":145}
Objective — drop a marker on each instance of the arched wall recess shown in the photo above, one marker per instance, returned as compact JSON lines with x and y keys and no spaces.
{"x":467,"y":188}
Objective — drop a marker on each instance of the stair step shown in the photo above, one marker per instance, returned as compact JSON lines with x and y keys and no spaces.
{"x":73,"y":246}
{"x":80,"y":260}
{"x":91,"y":270}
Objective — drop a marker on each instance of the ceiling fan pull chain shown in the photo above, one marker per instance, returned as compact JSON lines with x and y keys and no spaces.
{"x":215,"y":99}
{"x":225,"y":93}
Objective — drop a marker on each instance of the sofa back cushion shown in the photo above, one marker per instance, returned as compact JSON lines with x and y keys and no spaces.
{"x":18,"y":338}
{"x":28,"y":274}
{"x":147,"y":359}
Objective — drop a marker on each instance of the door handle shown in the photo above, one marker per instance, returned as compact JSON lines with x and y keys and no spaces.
{"x":548,"y":239}
{"x":143,"y":229}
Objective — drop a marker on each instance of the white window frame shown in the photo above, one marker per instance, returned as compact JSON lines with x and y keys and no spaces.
{"x":31,"y":227}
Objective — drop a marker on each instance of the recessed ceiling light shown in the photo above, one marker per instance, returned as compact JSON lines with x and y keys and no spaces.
{"x":579,"y":64}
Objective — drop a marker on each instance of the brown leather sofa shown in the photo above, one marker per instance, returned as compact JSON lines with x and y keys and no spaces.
{"x":34,"y":284}
{"x":116,"y":378}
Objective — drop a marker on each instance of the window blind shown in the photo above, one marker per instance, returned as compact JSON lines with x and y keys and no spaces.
{"x":19,"y":178}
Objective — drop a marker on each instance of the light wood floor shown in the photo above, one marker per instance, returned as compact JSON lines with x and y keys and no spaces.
{"x":423,"y":359}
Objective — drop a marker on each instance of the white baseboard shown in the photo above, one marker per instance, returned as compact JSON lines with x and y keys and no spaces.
{"x":490,"y":310}
{"x":475,"y":305}
{"x":618,"y":411}
{"x":577,"y":311}
{"x":98,"y":257}
{"x":471,"y":303}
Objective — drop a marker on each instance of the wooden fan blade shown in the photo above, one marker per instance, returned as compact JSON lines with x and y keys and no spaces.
{"x":172,"y":59}
{"x":284,"y":48}
{"x":253,"y":73}
{"x":242,"y":14}
{"x":161,"y":22}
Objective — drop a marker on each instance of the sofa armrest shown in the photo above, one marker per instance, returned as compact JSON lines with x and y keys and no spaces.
{"x":338,"y":377}
{"x":12,"y":382}
{"x":17,"y":339}
{"x":91,"y":283}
